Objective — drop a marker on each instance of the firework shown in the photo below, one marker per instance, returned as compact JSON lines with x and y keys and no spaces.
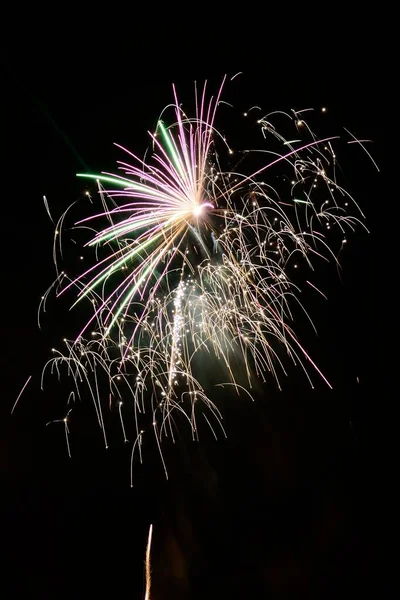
{"x":193,"y":267}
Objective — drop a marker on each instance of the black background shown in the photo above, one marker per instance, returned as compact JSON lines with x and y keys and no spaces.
{"x":282,"y":508}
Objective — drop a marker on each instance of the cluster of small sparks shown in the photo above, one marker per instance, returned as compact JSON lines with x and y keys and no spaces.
{"x":196,"y":270}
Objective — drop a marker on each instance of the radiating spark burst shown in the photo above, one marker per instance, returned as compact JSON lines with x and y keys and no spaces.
{"x":198,"y":264}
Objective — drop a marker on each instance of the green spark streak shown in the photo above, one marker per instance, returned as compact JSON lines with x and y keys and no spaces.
{"x":124,"y":183}
{"x":117,"y":231}
{"x":134,"y":186}
{"x":175,"y":157}
{"x":128,"y":297}
{"x":301,"y":201}
{"x":115,"y":266}
{"x":133,"y":227}
{"x":135,"y":288}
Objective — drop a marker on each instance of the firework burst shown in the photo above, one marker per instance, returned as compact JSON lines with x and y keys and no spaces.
{"x":194,"y":263}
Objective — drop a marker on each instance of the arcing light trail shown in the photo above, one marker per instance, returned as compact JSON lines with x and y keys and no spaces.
{"x":194,"y":266}
{"x":148,"y":564}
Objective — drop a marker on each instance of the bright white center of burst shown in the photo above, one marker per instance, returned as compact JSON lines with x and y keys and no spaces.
{"x":198,"y":210}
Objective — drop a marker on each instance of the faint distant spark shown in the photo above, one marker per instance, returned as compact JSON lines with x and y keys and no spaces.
{"x":21,"y":392}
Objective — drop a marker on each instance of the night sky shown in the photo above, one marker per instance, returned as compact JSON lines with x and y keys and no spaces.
{"x":282,"y":508}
